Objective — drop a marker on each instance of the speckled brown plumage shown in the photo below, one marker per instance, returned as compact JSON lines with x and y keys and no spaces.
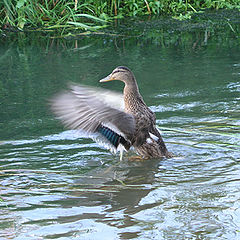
{"x":115,"y":121}
{"x":145,"y":121}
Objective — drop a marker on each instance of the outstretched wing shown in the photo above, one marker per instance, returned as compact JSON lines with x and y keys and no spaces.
{"x":91,"y":109}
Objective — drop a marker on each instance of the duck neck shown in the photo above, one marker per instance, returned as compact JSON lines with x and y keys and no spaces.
{"x":131,"y":88}
{"x":132,"y":96}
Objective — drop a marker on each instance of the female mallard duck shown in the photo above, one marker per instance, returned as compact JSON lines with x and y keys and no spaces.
{"x":117,"y":121}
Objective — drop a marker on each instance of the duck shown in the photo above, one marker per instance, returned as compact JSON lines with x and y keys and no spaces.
{"x":119,"y":122}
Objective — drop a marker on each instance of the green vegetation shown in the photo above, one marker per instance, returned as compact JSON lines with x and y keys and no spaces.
{"x":94,"y":14}
{"x":48,"y":14}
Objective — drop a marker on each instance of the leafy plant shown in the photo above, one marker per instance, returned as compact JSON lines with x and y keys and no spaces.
{"x":94,"y":14}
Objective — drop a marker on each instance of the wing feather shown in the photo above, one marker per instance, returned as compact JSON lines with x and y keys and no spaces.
{"x":86,"y":108}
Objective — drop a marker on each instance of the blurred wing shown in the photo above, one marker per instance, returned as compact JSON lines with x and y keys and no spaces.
{"x":110,"y":98}
{"x":88,"y":108}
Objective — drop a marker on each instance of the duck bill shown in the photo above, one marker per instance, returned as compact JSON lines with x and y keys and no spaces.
{"x":106,"y":79}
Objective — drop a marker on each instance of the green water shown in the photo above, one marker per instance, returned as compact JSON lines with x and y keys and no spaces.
{"x":57,"y":185}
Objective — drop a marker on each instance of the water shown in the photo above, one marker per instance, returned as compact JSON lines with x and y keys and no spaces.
{"x":57,"y":185}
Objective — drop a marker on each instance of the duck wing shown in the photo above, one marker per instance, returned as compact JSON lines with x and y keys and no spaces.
{"x":95,"y":111}
{"x":156,"y":135}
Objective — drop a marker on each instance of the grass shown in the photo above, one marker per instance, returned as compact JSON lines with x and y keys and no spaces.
{"x":48,"y":15}
{"x":92,"y":15}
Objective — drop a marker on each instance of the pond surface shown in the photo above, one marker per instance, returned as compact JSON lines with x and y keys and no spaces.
{"x":57,"y":185}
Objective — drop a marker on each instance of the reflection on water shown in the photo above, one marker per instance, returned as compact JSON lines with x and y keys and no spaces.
{"x":57,"y":185}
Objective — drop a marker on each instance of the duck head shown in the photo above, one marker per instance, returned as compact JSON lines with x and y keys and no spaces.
{"x":121,"y":73}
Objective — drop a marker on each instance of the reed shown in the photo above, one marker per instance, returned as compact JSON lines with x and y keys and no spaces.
{"x":94,"y":14}
{"x":48,"y":14}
